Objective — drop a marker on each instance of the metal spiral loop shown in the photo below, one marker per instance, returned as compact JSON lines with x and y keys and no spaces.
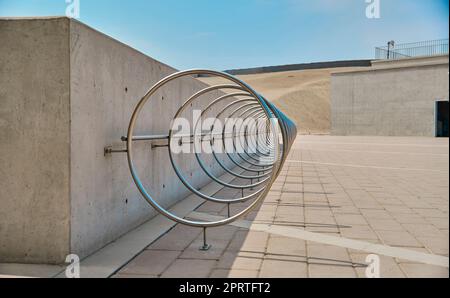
{"x":264,"y":136}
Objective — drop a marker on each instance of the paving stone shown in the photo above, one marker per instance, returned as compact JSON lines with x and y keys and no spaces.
{"x":211,"y":207}
{"x":243,"y":274}
{"x":411,"y":218}
{"x":324,"y":271}
{"x":327,"y":254}
{"x":150,"y":262}
{"x":289,"y":220}
{"x":190,"y":269}
{"x":431,"y":213}
{"x":344,"y":209}
{"x":440,"y":223}
{"x":193,"y":251}
{"x":376,"y":214}
{"x":283,"y":269}
{"x":398,"y":238}
{"x":437,"y":245}
{"x":224,"y":233}
{"x":359,"y":232}
{"x":424,"y":271}
{"x":385,"y":225}
{"x":255,"y":242}
{"x":399,"y":209}
{"x":260,"y":216}
{"x":221,"y":273}
{"x":286,"y":246}
{"x":322,"y":220}
{"x":423,"y":230}
{"x":350,"y":219}
{"x":250,"y":241}
{"x":289,"y":211}
{"x":233,"y":261}
{"x":177,"y":239}
{"x":134,"y":276}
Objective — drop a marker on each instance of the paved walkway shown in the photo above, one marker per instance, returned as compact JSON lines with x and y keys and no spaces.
{"x":337,"y":200}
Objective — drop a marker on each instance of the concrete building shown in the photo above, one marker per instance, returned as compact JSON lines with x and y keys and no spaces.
{"x":66,"y":92}
{"x":407,"y":97}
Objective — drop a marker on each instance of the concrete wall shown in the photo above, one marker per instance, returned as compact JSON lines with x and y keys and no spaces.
{"x":66,"y":92}
{"x":392,"y":98}
{"x":35,"y":140}
{"x":108,"y":79}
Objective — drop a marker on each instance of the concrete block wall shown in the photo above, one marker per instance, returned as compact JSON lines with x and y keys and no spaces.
{"x":66,"y":92}
{"x":392,"y":98}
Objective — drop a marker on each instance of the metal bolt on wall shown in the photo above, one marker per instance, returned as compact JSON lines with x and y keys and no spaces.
{"x":264,"y":143}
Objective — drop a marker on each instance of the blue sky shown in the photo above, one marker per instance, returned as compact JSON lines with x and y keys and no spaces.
{"x":225,"y":34}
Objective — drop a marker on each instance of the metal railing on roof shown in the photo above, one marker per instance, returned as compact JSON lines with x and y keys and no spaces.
{"x":416,"y":49}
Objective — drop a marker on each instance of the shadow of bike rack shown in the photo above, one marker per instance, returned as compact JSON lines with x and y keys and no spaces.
{"x":257,"y":144}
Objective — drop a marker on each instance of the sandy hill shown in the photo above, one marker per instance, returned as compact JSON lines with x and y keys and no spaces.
{"x":303,"y":95}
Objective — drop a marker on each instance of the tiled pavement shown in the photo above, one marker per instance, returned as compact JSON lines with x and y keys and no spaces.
{"x":390,"y":191}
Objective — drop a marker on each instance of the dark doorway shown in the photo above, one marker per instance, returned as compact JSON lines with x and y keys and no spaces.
{"x":442,"y":115}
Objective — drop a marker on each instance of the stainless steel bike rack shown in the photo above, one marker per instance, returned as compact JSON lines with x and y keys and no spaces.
{"x":271,"y":139}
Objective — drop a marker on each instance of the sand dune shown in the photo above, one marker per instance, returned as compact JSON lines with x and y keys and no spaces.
{"x":302,"y":95}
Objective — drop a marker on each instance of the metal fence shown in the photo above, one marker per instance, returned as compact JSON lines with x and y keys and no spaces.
{"x":416,"y":49}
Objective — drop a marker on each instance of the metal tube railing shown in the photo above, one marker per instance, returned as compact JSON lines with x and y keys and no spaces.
{"x":416,"y":49}
{"x":264,"y":152}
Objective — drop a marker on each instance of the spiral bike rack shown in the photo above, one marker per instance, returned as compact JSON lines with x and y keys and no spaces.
{"x":265,"y":143}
